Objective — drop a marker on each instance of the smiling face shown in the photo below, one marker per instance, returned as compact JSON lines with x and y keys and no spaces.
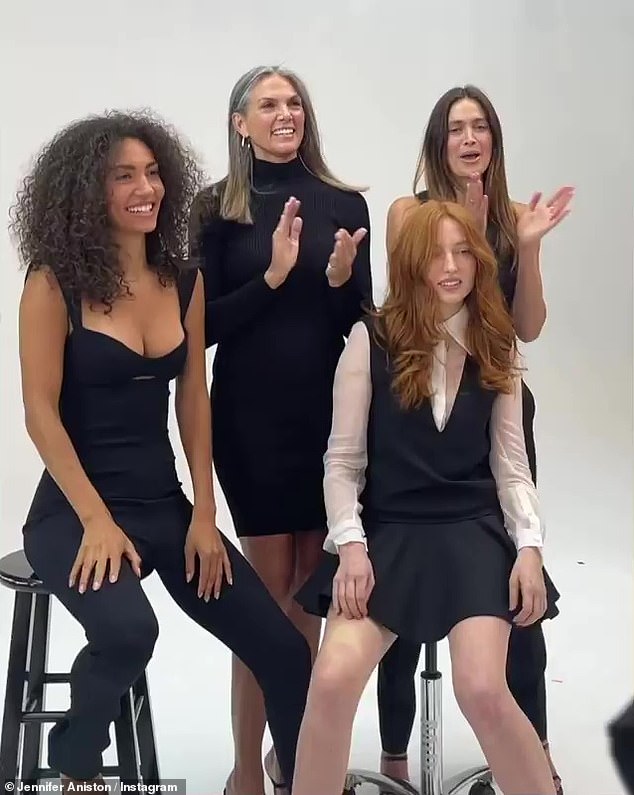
{"x":469,"y":139}
{"x":451,"y":272}
{"x":134,"y":188}
{"x":273,"y":120}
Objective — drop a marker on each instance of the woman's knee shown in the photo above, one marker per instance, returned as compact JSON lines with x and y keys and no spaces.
{"x":337,"y":680}
{"x":483,"y":697}
{"x":131,"y":630}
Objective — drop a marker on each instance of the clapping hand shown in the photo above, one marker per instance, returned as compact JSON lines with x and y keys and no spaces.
{"x":285,"y":245}
{"x":477,"y":202}
{"x":339,"y":268}
{"x":539,"y":218}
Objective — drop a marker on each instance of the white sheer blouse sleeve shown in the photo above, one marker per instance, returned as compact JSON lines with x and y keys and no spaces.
{"x":509,"y":464}
{"x":346,"y":457}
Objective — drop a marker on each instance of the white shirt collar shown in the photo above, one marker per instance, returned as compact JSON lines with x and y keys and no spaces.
{"x":456,"y":326}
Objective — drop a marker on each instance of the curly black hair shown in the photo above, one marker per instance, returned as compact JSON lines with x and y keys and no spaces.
{"x":60,"y":217}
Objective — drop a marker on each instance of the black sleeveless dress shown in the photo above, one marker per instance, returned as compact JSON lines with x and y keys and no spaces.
{"x":433,"y":522}
{"x":114,"y":405}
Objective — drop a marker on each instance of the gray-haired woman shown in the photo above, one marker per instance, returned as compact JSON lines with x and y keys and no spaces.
{"x":279,"y":319}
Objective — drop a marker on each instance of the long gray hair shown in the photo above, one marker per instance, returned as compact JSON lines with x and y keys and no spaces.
{"x":236,"y":188}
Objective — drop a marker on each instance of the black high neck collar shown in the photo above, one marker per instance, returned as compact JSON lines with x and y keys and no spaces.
{"x":266,"y":172}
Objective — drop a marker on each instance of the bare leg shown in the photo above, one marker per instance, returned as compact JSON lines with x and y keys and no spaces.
{"x":272,"y":559}
{"x":478,"y":648}
{"x":350,"y":651}
{"x":308,"y":553}
{"x":307,"y":550}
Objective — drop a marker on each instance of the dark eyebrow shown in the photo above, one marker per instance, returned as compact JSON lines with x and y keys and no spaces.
{"x":129,"y":167}
{"x":462,"y":121}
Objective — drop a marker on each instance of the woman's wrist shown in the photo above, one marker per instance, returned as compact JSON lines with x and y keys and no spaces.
{"x":204,"y":509}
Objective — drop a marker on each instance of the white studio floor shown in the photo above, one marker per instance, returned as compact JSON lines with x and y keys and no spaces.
{"x":589,"y":679}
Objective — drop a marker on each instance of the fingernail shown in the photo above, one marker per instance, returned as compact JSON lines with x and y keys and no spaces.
{"x":95,"y":585}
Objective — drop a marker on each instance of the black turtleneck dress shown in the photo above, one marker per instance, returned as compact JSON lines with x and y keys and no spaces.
{"x":277,"y":349}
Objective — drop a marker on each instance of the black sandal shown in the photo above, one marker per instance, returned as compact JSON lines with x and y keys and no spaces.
{"x":392,"y":758}
{"x":559,"y":790}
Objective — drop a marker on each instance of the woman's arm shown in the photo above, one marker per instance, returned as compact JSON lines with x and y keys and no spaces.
{"x":193,"y":412}
{"x":226,"y":312}
{"x":509,"y":464}
{"x":43,"y":327}
{"x":395,"y":217}
{"x":346,"y":457}
{"x":529,"y":305}
{"x":351,"y":298}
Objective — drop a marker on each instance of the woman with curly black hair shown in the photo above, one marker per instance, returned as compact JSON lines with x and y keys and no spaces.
{"x":109,"y":315}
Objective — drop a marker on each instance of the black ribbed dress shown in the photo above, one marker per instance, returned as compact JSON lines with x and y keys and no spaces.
{"x":277,"y":350}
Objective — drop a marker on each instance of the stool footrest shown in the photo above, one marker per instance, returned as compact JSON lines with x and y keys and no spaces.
{"x":42,"y":717}
{"x":108,"y":771}
{"x":56,"y":679}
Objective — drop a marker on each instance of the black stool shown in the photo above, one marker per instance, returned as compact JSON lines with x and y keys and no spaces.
{"x":478,"y":779}
{"x":24,"y":707}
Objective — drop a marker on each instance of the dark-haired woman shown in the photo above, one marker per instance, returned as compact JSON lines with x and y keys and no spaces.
{"x":109,"y":316}
{"x":462,"y":159}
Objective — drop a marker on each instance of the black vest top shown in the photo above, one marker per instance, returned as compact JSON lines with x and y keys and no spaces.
{"x":417,"y":474}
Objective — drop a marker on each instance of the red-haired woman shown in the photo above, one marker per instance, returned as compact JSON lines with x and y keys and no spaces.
{"x":427,"y":443}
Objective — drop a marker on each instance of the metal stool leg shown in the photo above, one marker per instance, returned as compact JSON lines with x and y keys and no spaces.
{"x":431,"y":725}
{"x":145,"y":732}
{"x":125,"y":734}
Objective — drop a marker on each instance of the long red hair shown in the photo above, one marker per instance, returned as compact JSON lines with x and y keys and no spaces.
{"x":409,"y":324}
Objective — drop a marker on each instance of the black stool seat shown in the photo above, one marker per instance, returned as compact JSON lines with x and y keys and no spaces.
{"x":27,"y":678}
{"x":17,"y":574}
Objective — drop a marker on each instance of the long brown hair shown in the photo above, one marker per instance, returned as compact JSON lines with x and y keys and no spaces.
{"x":440,"y":182}
{"x":408,"y":324}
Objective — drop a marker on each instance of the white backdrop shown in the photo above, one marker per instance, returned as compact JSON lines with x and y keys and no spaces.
{"x":559,"y":74}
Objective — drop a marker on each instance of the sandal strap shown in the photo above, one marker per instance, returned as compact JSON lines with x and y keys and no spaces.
{"x":394,"y":757}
